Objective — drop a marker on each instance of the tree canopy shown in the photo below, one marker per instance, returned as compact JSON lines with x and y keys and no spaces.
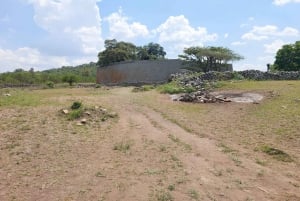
{"x":288,"y":57}
{"x":208,"y":58}
{"x":124,"y":51}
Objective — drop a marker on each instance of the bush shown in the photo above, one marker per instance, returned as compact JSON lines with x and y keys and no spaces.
{"x":75,"y":114}
{"x":76,"y":105}
{"x":50,"y":84}
{"x":175,"y":88}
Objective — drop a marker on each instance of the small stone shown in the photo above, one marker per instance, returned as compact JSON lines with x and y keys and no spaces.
{"x":83,"y":121}
{"x":7,"y":94}
{"x":79,"y":124}
{"x":65,"y":111}
{"x":112,"y":114}
{"x":88,"y":113}
{"x":103,"y":110}
{"x":96,"y":107}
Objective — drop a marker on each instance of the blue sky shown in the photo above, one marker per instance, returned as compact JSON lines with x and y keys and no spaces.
{"x":43,"y":34}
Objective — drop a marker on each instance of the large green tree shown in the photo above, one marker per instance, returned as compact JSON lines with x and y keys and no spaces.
{"x":208,"y":58}
{"x":152,"y":51}
{"x":288,"y":57}
{"x":124,"y":51}
{"x":116,"y":51}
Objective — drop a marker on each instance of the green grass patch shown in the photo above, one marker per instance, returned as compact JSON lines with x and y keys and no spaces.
{"x":193,"y":194}
{"x":163,"y":196}
{"x":19,"y":98}
{"x":143,"y":88}
{"x":175,"y":88}
{"x":276,"y":153}
{"x":75,"y":114}
{"x":123,"y":146}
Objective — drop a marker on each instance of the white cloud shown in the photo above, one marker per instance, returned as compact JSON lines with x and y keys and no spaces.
{"x":226,"y":35}
{"x":265,"y":32}
{"x":77,"y":21}
{"x":273,"y":47}
{"x":121,"y":29}
{"x":27,"y":58}
{"x":283,"y":2}
{"x":177,"y":33}
{"x":253,"y":36}
{"x":238,"y":43}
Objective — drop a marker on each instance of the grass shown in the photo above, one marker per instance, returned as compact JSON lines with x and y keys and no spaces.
{"x":185,"y":146}
{"x":19,"y":98}
{"x":276,"y":153}
{"x":143,"y":88}
{"x":163,"y":196}
{"x":193,"y":194}
{"x":174,"y":88}
{"x":123,"y":146}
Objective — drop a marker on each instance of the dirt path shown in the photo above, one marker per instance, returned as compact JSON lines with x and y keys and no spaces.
{"x":146,"y":155}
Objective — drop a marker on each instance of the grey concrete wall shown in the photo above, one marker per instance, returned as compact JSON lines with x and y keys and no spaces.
{"x":137,"y":72}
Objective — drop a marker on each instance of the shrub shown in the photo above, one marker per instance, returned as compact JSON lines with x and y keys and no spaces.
{"x":175,"y":88}
{"x":50,"y":84}
{"x":75,"y":114}
{"x":76,"y":105}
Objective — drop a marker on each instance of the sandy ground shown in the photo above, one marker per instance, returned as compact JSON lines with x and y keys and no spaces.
{"x":44,"y":157}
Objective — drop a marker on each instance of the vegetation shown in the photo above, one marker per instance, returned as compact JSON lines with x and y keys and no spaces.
{"x":174,"y":87}
{"x":288,"y":57}
{"x":277,"y":153}
{"x":85,"y":73}
{"x":124,"y":51}
{"x":208,"y":58}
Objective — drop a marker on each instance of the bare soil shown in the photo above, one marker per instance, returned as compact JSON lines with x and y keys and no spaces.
{"x":172,"y":151}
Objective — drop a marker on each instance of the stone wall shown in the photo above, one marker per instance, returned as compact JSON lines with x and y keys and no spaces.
{"x":138,"y":72}
{"x":142,"y":72}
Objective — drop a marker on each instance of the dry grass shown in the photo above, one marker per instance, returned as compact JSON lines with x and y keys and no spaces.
{"x":155,"y":150}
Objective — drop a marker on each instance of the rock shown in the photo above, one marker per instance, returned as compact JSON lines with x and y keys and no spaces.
{"x":112,"y":114}
{"x":7,"y":94}
{"x":65,"y":111}
{"x":88,"y":113}
{"x":103,"y":110}
{"x":83,"y":121}
{"x":79,"y":124}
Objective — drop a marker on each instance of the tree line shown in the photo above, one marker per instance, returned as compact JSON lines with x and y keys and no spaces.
{"x":195,"y":58}
{"x":85,"y":73}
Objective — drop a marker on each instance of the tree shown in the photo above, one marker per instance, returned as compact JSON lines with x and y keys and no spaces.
{"x":152,"y":51}
{"x":116,"y":51}
{"x":208,"y":58}
{"x":70,"y":79}
{"x":124,"y":51}
{"x":288,"y":57}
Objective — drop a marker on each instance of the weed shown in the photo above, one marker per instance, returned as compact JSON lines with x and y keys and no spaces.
{"x":122,"y":146}
{"x":99,"y":174}
{"x":171,"y":187}
{"x":236,"y":160}
{"x":175,"y":88}
{"x":225,"y":148}
{"x":162,"y":148}
{"x":143,"y":88}
{"x":174,"y":158}
{"x":260,"y":162}
{"x":185,"y":146}
{"x":276,"y":153}
{"x":75,"y":114}
{"x":163,"y":196}
{"x":193,"y":194}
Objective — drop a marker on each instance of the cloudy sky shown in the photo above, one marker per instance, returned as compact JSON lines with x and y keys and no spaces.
{"x":51,"y":33}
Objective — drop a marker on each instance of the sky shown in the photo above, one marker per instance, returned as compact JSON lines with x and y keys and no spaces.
{"x":44,"y":34}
